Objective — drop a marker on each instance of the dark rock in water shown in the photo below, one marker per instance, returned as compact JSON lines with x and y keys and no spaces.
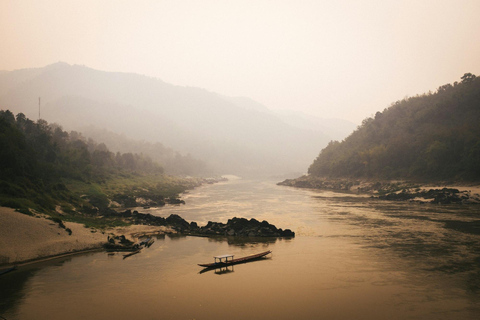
{"x":177,"y":222}
{"x":242,"y":227}
{"x":124,"y":240}
{"x":119,"y":243}
{"x":398,"y":196}
{"x":239,"y":227}
{"x":320,"y":183}
{"x":288,"y":233}
{"x":439,"y":196}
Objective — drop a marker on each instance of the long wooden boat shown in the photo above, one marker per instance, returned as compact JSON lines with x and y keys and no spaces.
{"x":224,"y":260}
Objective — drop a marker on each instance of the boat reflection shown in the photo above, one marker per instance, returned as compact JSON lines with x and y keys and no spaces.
{"x":224,"y":270}
{"x":219,"y":270}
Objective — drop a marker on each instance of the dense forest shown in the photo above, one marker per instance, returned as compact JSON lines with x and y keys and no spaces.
{"x":43,"y":167}
{"x":434,"y":136}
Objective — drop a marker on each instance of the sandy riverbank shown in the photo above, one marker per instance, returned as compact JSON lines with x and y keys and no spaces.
{"x":26,"y":238}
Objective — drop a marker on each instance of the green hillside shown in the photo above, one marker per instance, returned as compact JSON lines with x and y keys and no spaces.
{"x":434,"y":136}
{"x":50,"y":170}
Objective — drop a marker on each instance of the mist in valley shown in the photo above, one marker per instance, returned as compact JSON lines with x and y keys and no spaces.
{"x":341,"y":136}
{"x":244,"y":87}
{"x":134,"y":113}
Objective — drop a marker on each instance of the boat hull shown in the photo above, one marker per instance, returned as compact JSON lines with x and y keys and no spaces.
{"x":235,"y":261}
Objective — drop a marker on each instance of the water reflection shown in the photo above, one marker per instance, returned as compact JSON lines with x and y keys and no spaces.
{"x":11,"y":289}
{"x":246,"y":241}
{"x":14,"y":285}
{"x":432,"y":238}
{"x":353,"y":258}
{"x":219,"y":271}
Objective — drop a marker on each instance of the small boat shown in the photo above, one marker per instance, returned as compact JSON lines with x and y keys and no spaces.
{"x":227,"y":260}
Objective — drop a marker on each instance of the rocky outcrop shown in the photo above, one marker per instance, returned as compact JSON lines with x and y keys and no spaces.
{"x":320,"y":183}
{"x":440,"y":196}
{"x":119,"y":243}
{"x":242,"y":227}
{"x":235,"y":227}
{"x":388,"y":190}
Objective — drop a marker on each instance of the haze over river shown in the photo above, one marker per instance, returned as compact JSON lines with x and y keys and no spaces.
{"x":353,"y":257}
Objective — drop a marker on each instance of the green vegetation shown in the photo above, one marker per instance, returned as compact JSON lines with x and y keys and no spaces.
{"x":434,"y":136}
{"x":46,"y":169}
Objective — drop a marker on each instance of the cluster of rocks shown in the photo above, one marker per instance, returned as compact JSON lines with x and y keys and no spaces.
{"x":61,"y":225}
{"x":242,"y":227}
{"x":387,"y":190}
{"x":119,"y":243}
{"x":239,"y":227}
{"x":320,"y":183}
{"x":440,"y":196}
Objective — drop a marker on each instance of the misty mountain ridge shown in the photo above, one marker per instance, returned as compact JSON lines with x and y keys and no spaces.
{"x":233,"y":135}
{"x":337,"y":129}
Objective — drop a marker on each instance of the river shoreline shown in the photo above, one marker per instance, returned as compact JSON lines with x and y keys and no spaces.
{"x":26,"y":239}
{"x":426,"y":192}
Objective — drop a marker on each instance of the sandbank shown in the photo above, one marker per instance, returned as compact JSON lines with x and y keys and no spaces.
{"x":26,"y":238}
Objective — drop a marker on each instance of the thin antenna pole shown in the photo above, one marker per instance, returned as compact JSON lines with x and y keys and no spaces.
{"x":38,"y":108}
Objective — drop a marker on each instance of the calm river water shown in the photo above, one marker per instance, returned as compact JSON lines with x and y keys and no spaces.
{"x":353,"y":258}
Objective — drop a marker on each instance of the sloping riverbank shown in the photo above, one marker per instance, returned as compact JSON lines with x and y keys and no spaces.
{"x":26,"y":238}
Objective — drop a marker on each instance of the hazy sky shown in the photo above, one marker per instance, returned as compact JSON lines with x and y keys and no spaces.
{"x":345,"y":59}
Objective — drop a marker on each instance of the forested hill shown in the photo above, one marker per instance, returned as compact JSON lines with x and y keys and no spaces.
{"x":42,"y":167}
{"x":434,"y":136}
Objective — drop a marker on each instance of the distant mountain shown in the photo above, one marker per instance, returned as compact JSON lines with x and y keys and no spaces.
{"x":233,"y":135}
{"x":248,"y":104}
{"x":434,"y":136}
{"x":336,"y":129}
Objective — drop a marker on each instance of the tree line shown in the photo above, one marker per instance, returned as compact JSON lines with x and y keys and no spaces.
{"x":38,"y":150}
{"x":434,"y":136}
{"x":36,"y":157}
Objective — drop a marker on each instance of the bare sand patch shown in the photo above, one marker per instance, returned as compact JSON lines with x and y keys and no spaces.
{"x":25,"y":238}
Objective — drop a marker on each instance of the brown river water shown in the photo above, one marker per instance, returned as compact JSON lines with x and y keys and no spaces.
{"x":353,"y":258}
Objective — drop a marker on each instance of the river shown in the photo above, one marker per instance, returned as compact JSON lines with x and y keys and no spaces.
{"x":353,"y":257}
